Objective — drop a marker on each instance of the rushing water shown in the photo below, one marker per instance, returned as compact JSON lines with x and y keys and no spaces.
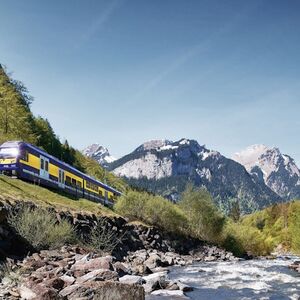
{"x":252,"y":279}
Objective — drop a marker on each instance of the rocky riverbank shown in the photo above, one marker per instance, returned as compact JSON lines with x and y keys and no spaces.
{"x":138,"y":265}
{"x":74,"y":273}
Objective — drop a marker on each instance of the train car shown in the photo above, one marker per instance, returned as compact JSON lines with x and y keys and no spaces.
{"x":30,"y":163}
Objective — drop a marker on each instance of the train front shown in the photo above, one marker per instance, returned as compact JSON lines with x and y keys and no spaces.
{"x":9,"y":154}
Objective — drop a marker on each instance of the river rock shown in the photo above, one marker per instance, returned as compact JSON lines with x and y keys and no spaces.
{"x":177,"y":294}
{"x":132,"y":279}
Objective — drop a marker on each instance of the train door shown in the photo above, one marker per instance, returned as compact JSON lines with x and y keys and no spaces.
{"x":61,"y":178}
{"x":44,"y":167}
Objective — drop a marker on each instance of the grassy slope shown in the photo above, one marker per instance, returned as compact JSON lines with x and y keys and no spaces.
{"x":14,"y":189}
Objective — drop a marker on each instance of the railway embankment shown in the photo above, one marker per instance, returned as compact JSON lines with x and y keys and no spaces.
{"x":137,"y":264}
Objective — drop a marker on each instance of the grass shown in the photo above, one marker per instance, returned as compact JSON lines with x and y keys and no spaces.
{"x":17,"y":190}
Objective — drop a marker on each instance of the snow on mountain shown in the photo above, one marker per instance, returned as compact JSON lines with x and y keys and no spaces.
{"x":279,"y":171}
{"x":99,"y":153}
{"x":166,"y":167}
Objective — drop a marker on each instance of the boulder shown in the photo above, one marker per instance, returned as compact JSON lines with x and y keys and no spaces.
{"x":153,"y":261}
{"x":99,"y":274}
{"x":68,"y":280}
{"x":132,"y":279}
{"x":107,"y":290}
{"x":184,"y":287}
{"x":85,"y":264}
{"x":26,"y":293}
{"x":177,"y":294}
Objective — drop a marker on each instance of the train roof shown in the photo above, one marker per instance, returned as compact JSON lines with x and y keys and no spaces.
{"x":9,"y":144}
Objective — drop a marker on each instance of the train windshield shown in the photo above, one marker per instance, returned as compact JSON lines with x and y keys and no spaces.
{"x":9,"y":152}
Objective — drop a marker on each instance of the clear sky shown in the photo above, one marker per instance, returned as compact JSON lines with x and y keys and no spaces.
{"x":117,"y":72}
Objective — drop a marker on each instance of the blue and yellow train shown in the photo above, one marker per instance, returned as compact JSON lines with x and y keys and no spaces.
{"x":30,"y":163}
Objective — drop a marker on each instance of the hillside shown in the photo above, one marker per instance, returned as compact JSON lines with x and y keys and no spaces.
{"x":166,"y":167}
{"x":18,"y":123}
{"x":14,"y":190}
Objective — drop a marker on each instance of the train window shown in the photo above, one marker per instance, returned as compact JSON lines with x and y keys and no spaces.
{"x":24,"y":155}
{"x":100,"y":193}
{"x":68,"y":180}
{"x":42,"y":164}
{"x":73,"y":182}
{"x":79,"y":184}
{"x":47,"y":166}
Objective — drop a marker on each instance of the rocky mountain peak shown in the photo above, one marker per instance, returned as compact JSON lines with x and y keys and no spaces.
{"x":279,"y":171}
{"x":99,"y":153}
{"x":153,"y":145}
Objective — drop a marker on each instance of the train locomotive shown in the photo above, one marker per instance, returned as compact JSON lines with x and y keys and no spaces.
{"x":30,"y":163}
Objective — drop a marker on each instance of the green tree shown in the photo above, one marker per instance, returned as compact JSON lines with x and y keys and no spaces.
{"x":205,"y":221}
{"x":46,"y":137}
{"x":16,"y":119}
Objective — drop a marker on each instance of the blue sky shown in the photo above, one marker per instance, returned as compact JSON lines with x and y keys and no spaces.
{"x":117,"y":72}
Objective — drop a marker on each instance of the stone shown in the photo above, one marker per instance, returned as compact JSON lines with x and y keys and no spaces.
{"x":56,"y":283}
{"x":132,"y":279}
{"x":99,"y":274}
{"x":69,"y":290}
{"x":153,"y":261}
{"x":44,"y":293}
{"x":121,"y":269}
{"x":68,"y":280}
{"x":93,"y":264}
{"x":210,"y":258}
{"x":184,"y":287}
{"x":172,"y":285}
{"x":117,"y":291}
{"x":170,"y":293}
{"x":26,"y":293}
{"x":155,"y":281}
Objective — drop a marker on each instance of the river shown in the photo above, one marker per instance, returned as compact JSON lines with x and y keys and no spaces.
{"x":250,"y":279}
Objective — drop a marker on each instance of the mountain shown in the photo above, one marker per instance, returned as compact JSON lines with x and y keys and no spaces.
{"x":278,"y":171}
{"x":166,"y":167}
{"x":99,"y":153}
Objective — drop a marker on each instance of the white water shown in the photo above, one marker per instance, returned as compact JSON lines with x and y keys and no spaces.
{"x":253,"y":279}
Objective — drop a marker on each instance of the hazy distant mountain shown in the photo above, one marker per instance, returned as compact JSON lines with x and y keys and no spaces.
{"x":165,"y":167}
{"x":99,"y":153}
{"x":279,"y":171}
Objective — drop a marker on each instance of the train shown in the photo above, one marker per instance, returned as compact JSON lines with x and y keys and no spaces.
{"x":30,"y":163}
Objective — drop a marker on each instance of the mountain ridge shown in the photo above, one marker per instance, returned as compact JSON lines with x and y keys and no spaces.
{"x":166,"y":167}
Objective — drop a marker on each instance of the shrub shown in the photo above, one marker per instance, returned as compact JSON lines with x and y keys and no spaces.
{"x":132,"y":204}
{"x":103,"y":238}
{"x":240,"y":239}
{"x":153,"y":210}
{"x":10,"y":272}
{"x":205,"y":221}
{"x":40,"y":228}
{"x":164,"y":214}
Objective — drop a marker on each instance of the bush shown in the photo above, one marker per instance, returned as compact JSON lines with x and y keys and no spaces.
{"x":164,"y":214}
{"x":205,"y":221}
{"x":132,"y":204}
{"x":40,"y":229}
{"x":103,"y":238}
{"x":153,"y":210}
{"x":241,"y":239}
